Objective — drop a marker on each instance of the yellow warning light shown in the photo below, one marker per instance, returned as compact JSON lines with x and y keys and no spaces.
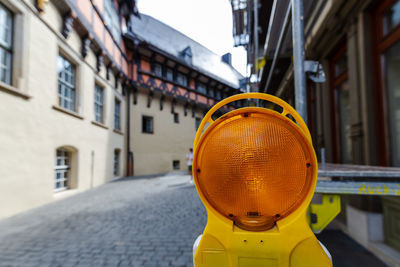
{"x":253,"y":167}
{"x":255,"y":171}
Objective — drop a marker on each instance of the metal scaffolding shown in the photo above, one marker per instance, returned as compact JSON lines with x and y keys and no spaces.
{"x":277,"y":17}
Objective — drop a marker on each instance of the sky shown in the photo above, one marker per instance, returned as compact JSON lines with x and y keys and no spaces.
{"x":209,"y":22}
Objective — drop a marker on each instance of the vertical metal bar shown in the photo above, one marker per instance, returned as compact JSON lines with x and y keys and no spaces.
{"x":248,"y":47}
{"x":255,"y":7}
{"x":298,"y":58}
{"x":323,"y":158}
{"x":278,"y":46}
{"x":271,"y":20}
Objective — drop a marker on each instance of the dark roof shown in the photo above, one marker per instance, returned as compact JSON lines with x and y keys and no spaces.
{"x":173,"y":42}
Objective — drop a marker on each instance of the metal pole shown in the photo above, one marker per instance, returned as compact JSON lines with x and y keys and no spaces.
{"x":298,"y":58}
{"x":248,"y":46}
{"x":255,"y":2}
{"x":278,"y":46}
{"x":271,"y":20}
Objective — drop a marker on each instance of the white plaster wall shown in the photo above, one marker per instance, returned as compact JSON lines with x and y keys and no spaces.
{"x":154,"y":153}
{"x":31,"y":130}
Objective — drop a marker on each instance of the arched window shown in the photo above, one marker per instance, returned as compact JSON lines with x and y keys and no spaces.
{"x":64,"y":170}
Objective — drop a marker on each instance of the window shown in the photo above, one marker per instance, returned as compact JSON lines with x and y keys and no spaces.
{"x":157,"y":69}
{"x":341,"y":106}
{"x":181,"y":79}
{"x":147,"y":124}
{"x":387,"y":55}
{"x":169,"y":74}
{"x":391,"y":63}
{"x":66,"y":83}
{"x":201,"y":88}
{"x":211,"y":92}
{"x":62,"y":170}
{"x":6,"y":36}
{"x":98,"y":104}
{"x":117,"y":115}
{"x":111,"y":19}
{"x":116,"y":162}
{"x":176,"y":117}
{"x":197,"y":123}
{"x":176,"y":165}
{"x":218,"y":94}
{"x":391,"y":18}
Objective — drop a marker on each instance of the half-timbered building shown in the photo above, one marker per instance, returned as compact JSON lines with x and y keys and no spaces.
{"x":92,"y":91}
{"x":175,"y":81}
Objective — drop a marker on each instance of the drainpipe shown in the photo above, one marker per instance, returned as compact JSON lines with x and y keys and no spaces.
{"x":128,"y":131}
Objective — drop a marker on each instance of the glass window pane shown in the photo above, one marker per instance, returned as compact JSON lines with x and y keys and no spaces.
{"x":181,"y":79}
{"x":111,"y":19}
{"x":66,"y":83}
{"x":391,"y":60}
{"x":391,"y":18}
{"x":5,"y":27}
{"x":5,"y":66}
{"x":157,"y":70}
{"x":344,"y":121}
{"x":169,"y":75}
{"x":62,"y":169}
{"x":202,"y":88}
{"x":218,"y":94}
{"x":341,"y":65}
{"x":211,"y":92}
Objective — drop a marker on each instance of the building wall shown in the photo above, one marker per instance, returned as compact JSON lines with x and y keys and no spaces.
{"x":154,"y":153}
{"x":371,"y":220}
{"x":33,"y":127}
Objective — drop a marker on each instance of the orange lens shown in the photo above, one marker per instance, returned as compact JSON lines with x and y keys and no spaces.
{"x":254,"y":165}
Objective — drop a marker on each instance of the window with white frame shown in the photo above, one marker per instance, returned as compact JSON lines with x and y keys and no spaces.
{"x":117,"y":115}
{"x":6,"y":42}
{"x":98,"y":104}
{"x":66,"y":83}
{"x":111,"y":19}
{"x":181,"y":79}
{"x":62,"y":170}
{"x":116,"y":162}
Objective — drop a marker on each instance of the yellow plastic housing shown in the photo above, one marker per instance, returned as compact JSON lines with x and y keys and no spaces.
{"x":255,"y":171}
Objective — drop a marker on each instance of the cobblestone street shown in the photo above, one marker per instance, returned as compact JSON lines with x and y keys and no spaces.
{"x":146,"y":222}
{"x":131,"y":222}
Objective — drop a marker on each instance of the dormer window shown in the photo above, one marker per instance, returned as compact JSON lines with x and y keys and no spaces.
{"x":181,"y":79}
{"x":186,"y":55}
{"x":111,"y":19}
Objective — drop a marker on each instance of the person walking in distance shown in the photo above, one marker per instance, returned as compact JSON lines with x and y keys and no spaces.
{"x":189,"y":158}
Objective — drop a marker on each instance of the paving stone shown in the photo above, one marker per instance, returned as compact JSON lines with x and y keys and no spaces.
{"x":132,"y":222}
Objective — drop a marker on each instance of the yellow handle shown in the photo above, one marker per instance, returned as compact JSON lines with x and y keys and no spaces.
{"x":287,"y":109}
